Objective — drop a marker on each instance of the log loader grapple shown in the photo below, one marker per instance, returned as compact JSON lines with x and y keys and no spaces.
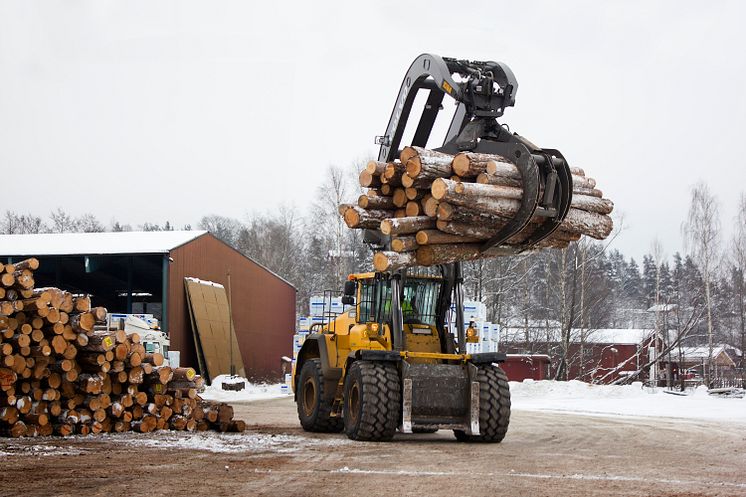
{"x":397,"y":360}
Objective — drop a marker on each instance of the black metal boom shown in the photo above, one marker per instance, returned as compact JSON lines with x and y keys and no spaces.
{"x":482,"y":91}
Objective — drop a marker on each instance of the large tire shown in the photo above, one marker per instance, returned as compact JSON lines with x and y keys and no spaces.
{"x":313,"y":411}
{"x":494,"y":406}
{"x":372,"y":400}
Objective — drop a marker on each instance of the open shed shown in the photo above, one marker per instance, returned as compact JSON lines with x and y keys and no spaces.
{"x":143,"y":272}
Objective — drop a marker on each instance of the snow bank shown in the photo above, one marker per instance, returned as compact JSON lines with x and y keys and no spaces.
{"x":623,"y":400}
{"x":252,"y":391}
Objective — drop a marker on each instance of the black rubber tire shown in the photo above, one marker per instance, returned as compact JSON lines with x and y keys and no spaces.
{"x":313,"y":412}
{"x":494,"y":406}
{"x":372,"y":400}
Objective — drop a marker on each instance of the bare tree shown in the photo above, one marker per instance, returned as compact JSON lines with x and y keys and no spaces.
{"x":18,"y":224}
{"x":88,"y":223}
{"x":326,"y":221}
{"x":702,"y":240}
{"x":658,"y":256}
{"x":61,"y":222}
{"x":738,"y":261}
{"x":117,"y":227}
{"x":224,"y":228}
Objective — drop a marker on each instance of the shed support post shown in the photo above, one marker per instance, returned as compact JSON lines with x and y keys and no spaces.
{"x":164,"y":294}
{"x":129,"y":285}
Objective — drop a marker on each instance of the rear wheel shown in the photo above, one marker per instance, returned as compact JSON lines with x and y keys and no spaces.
{"x":494,"y":406}
{"x":313,"y":411}
{"x":372,"y":401}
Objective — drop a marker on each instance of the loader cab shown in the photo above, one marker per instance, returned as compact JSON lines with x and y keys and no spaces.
{"x":419,"y":300}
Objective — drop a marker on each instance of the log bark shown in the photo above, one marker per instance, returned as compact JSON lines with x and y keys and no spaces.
{"x":31,"y":264}
{"x":404,"y":244}
{"x":373,"y":203}
{"x":391,"y":261}
{"x":595,"y":225}
{"x":470,"y":164}
{"x":466,"y":230}
{"x":375,"y":167}
{"x":355,"y":217}
{"x":99,"y":314}
{"x":394,"y":178}
{"x":156,"y":359}
{"x":83,"y":322}
{"x":460,"y":193}
{"x":82,"y":303}
{"x":406,"y":225}
{"x":418,"y":183}
{"x":429,"y":255}
{"x":393,"y":170}
{"x":369,"y":180}
{"x":437,"y":237}
{"x":461,"y":214}
{"x":101,"y":342}
{"x":478,"y":197}
{"x":592,"y":204}
{"x":422,"y":163}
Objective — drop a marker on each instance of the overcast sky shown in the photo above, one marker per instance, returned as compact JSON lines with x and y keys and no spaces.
{"x":154,"y":110}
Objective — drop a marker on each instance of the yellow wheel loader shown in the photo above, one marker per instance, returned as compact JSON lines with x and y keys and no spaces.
{"x":391,"y":363}
{"x":397,"y":359}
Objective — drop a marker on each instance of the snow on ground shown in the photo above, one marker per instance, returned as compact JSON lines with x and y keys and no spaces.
{"x":227,"y":442}
{"x":16,"y":447}
{"x":628,"y":400}
{"x":252,"y":391}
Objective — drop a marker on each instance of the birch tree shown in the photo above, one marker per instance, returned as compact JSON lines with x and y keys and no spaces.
{"x":738,"y":261}
{"x":702,"y":240}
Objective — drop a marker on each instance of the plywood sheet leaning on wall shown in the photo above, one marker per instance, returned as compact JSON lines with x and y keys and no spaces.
{"x":212,"y":328}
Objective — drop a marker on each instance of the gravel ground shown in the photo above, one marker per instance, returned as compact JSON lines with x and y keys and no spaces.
{"x":544,"y":454}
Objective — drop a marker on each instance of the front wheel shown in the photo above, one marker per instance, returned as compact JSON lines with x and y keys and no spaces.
{"x":494,"y":406}
{"x":314,"y":412}
{"x":372,"y":400}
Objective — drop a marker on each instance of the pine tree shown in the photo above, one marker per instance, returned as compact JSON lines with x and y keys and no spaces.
{"x":648,"y":280}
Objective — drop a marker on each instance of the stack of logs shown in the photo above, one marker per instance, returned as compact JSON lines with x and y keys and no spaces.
{"x":61,"y":373}
{"x":438,"y":208}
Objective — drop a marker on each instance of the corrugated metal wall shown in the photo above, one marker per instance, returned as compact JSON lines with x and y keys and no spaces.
{"x":263,"y":304}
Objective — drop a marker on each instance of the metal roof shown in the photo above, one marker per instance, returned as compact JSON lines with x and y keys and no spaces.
{"x":634,"y":336}
{"x":109,"y":243}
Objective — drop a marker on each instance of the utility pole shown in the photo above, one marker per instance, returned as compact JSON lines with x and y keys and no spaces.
{"x":232,"y":331}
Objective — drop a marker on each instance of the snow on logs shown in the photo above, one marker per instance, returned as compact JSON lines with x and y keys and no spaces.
{"x":63,"y":372}
{"x":439,"y":208}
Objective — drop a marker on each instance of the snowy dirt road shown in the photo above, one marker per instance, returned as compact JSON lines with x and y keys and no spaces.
{"x":544,"y":454}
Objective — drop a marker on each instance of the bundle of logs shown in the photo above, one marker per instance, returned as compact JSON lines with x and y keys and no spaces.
{"x":439,"y":208}
{"x":63,"y":372}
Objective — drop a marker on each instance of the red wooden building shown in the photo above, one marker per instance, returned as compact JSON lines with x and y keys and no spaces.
{"x":143,"y":272}
{"x":601,"y":355}
{"x":521,"y":367}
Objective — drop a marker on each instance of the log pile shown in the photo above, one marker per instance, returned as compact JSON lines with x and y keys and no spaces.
{"x":438,"y":208}
{"x":62,"y":373}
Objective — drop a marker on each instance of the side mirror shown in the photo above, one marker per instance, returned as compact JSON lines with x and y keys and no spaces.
{"x":348,"y":300}
{"x":350,"y":288}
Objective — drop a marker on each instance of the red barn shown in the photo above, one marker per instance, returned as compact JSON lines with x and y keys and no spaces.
{"x":521,"y":367}
{"x":600,"y":355}
{"x":143,"y":273}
